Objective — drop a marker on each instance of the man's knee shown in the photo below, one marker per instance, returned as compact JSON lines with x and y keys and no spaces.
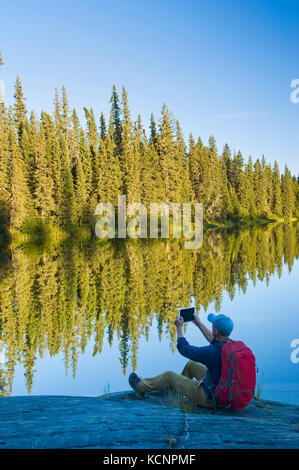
{"x":170,"y":377}
{"x":197,"y":365}
{"x":169,"y":373}
{"x":188,"y":364}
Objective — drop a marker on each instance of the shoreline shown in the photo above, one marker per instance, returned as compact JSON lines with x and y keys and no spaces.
{"x":85,"y":233}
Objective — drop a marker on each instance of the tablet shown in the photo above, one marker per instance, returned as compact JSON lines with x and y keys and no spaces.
{"x":187,"y":313}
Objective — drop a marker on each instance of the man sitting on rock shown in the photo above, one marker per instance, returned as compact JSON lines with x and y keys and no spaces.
{"x":204,"y":364}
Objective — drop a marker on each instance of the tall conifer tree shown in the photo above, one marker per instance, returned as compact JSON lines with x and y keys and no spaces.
{"x":19,"y":108}
{"x":21,"y":204}
{"x":43,"y":176}
{"x":288,"y":196}
{"x":276,"y":191}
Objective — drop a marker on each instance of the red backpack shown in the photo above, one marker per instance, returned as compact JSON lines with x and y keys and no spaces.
{"x":238,"y":376}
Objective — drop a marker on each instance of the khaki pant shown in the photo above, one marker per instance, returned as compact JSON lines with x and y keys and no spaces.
{"x":182,"y":383}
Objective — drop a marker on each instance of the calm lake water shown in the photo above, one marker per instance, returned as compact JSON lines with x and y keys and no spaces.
{"x":77,"y":319}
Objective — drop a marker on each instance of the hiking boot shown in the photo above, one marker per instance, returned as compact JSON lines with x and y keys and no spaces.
{"x":133,"y":382}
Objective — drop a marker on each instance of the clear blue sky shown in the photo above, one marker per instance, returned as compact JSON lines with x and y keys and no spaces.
{"x":222,"y":67}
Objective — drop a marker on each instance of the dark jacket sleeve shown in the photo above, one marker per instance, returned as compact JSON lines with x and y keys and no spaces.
{"x":198,"y":354}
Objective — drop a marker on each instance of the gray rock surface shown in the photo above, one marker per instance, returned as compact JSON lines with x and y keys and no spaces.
{"x":119,"y":420}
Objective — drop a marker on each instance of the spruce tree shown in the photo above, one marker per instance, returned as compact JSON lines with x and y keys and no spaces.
{"x":112,"y":181}
{"x":67,"y":209}
{"x":19,"y":108}
{"x":5,"y":170}
{"x":27,"y":148}
{"x":74,"y":136}
{"x":238,"y":165}
{"x":167,"y":151}
{"x":195,"y":153}
{"x":93,"y":139}
{"x":57,"y":112}
{"x":21,"y":204}
{"x":276,"y":191}
{"x":184,"y":191}
{"x":153,"y":130}
{"x":229,"y":165}
{"x":80,"y":192}
{"x":115,"y":113}
{"x":127,"y":149}
{"x":268,"y":184}
{"x":103,"y":128}
{"x":54,"y":156}
{"x":259,"y":189}
{"x":85,"y":157}
{"x":250,"y":187}
{"x":288,"y":196}
{"x":216,"y":190}
{"x":65,"y":113}
{"x":43,"y":176}
{"x":151,"y":176}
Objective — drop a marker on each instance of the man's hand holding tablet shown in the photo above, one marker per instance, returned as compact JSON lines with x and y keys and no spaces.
{"x":188,"y":314}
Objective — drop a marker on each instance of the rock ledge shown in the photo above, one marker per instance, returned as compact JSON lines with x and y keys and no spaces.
{"x":119,"y":420}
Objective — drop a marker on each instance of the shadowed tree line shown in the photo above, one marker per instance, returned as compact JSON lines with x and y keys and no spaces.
{"x":58,"y":298}
{"x":53,"y":171}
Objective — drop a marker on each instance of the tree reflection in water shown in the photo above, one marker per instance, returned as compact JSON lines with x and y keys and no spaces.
{"x":56,"y":298}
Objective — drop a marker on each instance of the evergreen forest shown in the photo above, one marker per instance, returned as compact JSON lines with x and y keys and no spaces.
{"x":54,"y":170}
